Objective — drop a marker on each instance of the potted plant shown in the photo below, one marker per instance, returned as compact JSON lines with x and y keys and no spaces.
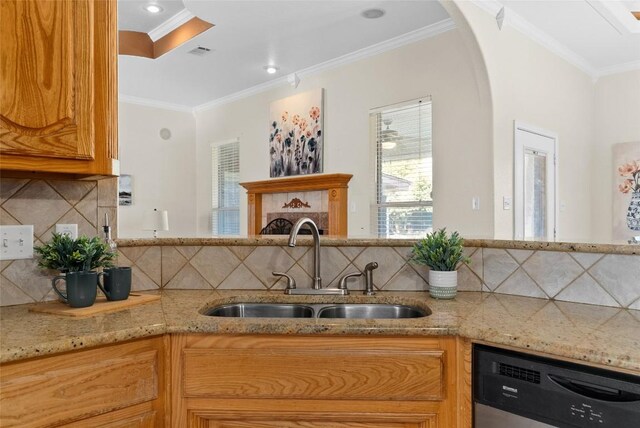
{"x":76,"y":259}
{"x":442,"y":254}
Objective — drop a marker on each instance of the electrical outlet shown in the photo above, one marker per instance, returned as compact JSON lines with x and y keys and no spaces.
{"x":67,"y":229}
{"x":16,"y":242}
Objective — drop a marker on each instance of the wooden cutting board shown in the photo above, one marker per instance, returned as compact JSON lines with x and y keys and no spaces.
{"x":101,"y":306}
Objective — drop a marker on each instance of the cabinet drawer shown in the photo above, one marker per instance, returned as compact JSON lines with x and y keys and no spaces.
{"x":78,"y":385}
{"x":314,"y":371}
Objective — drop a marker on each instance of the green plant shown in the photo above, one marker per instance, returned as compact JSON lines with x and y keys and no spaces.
{"x":439,"y":251}
{"x":66,"y":254}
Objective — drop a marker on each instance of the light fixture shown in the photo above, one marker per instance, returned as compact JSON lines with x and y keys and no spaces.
{"x":153,"y":8}
{"x":156,"y":220}
{"x":271,"y":69}
{"x":389,"y":136}
{"x":372,"y":13}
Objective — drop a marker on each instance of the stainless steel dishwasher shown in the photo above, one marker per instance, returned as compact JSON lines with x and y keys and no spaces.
{"x":515,"y":390}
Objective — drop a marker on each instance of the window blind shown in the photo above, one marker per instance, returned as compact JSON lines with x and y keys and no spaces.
{"x":403,"y":173}
{"x":225,"y":198}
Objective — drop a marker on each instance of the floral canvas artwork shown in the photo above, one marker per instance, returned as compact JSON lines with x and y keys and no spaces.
{"x":296,"y":134}
{"x":626,"y":200}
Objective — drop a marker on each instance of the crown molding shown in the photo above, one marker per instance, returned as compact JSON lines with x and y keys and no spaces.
{"x":396,"y":42}
{"x":516,"y":21}
{"x":153,"y":103}
{"x":619,"y":68}
{"x":171,"y":24}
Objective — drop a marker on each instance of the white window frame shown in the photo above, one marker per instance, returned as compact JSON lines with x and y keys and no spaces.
{"x":376,"y":165}
{"x":214,"y":186}
{"x":518,"y":178}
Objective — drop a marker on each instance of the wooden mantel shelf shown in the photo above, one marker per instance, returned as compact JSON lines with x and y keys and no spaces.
{"x":335,"y":184}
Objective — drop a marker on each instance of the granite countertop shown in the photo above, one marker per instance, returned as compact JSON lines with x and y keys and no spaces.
{"x":332,"y":241}
{"x":596,"y":334}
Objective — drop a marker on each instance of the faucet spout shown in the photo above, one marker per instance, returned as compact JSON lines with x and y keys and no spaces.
{"x":317,"y":281}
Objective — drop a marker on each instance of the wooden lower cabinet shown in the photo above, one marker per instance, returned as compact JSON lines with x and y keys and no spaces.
{"x":319,"y":382}
{"x":111,"y":386}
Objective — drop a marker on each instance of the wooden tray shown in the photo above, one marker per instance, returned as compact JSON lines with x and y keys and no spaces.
{"x":101,"y":306}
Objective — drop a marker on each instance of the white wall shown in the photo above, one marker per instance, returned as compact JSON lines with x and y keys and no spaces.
{"x":531,"y":84}
{"x":617,"y":113}
{"x":461,"y":121}
{"x":163,"y":171}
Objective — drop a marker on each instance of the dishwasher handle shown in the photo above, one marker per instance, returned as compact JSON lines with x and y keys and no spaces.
{"x":596,"y":392}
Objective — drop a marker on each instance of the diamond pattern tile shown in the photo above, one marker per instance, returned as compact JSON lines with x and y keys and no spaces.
{"x":9,"y":186}
{"x":264,"y":260}
{"x":520,"y":284}
{"x":189,"y":251}
{"x":242,"y":252}
{"x":214,"y":264}
{"x":38,"y":204}
{"x":406,"y":279}
{"x":332,"y":262}
{"x":467,"y":280}
{"x":351,"y":252}
{"x":241,"y":279}
{"x":150,"y":264}
{"x":188,"y":278}
{"x":303,"y":280}
{"x":29,"y":277}
{"x":586,"y":260}
{"x":389,"y":263}
{"x":476,"y":265}
{"x":552,"y":270}
{"x":520,"y":255}
{"x":11,"y":294}
{"x":172,"y":262}
{"x":296,"y":252}
{"x":88,"y":207}
{"x":497,"y":266}
{"x":72,"y":217}
{"x":74,"y":190}
{"x":586,"y":290}
{"x":620,"y":276}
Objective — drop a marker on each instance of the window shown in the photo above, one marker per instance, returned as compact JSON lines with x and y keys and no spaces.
{"x":225,"y":198}
{"x":403,"y":168}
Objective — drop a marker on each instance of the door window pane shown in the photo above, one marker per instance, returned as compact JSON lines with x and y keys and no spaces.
{"x":535,"y":195}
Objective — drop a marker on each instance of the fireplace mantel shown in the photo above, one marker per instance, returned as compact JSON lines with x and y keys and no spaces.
{"x":336,"y":186}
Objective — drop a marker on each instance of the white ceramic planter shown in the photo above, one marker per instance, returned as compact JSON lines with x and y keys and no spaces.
{"x":443,"y":284}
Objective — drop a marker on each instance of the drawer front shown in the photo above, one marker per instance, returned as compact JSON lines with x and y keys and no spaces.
{"x":370,"y":374}
{"x":78,"y":385}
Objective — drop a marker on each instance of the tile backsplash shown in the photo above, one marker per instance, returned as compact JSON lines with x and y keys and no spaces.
{"x":43,"y":204}
{"x":599,"y":279}
{"x":594,"y":278}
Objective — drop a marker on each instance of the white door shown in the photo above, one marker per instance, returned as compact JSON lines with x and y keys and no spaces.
{"x":534,"y":183}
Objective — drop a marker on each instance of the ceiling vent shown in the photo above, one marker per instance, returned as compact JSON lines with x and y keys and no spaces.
{"x":200,"y":51}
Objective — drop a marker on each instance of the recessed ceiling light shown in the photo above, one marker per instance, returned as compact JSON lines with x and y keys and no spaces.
{"x":372,"y":13}
{"x":271,"y":69}
{"x":153,"y":8}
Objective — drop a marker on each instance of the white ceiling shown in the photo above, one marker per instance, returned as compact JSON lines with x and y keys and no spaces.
{"x":580,"y":26}
{"x":132,"y":16}
{"x":296,"y":35}
{"x":248,"y":35}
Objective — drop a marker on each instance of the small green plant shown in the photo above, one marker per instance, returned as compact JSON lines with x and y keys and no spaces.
{"x":66,"y":254}
{"x":439,"y":251}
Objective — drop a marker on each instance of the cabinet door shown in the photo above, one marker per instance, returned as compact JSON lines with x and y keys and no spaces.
{"x":312,"y":420}
{"x":47,"y":79}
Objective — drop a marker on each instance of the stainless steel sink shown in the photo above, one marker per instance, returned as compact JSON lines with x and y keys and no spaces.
{"x":371,"y":311}
{"x":333,"y":310}
{"x":261,"y":310}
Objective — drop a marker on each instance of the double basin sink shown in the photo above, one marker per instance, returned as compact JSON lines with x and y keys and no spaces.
{"x":330,"y":310}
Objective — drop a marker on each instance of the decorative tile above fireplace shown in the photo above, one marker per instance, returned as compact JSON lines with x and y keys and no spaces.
{"x":323,"y":197}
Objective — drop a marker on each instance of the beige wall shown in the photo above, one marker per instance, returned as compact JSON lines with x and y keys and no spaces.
{"x":438,"y":67}
{"x":617,"y":108}
{"x":163,"y":171}
{"x":531,"y":84}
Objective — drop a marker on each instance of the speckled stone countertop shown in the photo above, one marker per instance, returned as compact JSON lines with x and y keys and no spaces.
{"x":595,"y":334}
{"x":373,"y":242}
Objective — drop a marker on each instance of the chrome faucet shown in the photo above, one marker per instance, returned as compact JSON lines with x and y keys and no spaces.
{"x":317,"y":281}
{"x":316,"y":287}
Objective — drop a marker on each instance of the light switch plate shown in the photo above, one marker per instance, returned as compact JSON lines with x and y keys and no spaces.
{"x":16,"y":242}
{"x":506,"y":202}
{"x":475,"y":203}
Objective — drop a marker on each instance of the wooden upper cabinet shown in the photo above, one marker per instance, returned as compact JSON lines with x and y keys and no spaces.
{"x":58,"y":86}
